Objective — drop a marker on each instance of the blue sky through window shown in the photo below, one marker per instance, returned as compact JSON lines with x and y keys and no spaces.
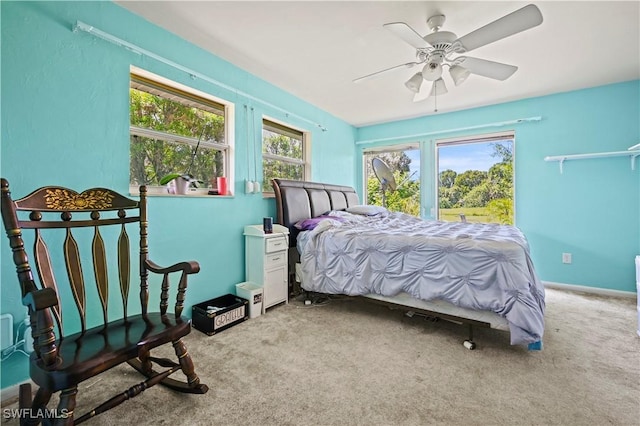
{"x":469,"y":156}
{"x":414,"y":167}
{"x":459,"y":158}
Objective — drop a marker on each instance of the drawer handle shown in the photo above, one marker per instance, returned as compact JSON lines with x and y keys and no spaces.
{"x":276,"y":258}
{"x":277,"y":244}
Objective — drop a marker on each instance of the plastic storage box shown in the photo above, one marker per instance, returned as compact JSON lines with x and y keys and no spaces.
{"x":253,"y":293}
{"x":216,"y":315}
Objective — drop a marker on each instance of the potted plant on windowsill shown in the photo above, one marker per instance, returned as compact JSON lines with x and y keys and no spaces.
{"x":182,"y":181}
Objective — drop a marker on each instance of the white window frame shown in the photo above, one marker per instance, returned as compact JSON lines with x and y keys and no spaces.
{"x":227,"y":148}
{"x":460,"y":140}
{"x":306,"y":151}
{"x":387,"y":148}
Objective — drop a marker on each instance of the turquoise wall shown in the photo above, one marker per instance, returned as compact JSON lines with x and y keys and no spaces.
{"x":65,"y":121}
{"x":592,"y":210}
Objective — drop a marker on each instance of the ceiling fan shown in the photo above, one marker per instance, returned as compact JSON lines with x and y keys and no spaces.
{"x":437,"y":49}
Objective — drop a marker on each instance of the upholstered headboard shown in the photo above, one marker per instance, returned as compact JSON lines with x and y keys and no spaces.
{"x":298,"y":200}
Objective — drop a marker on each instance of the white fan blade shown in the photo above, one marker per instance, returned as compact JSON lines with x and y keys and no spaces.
{"x":368,"y":76}
{"x":408,"y":34}
{"x":513,"y":23}
{"x":490,"y":69}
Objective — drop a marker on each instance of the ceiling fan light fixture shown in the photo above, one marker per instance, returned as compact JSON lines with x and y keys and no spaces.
{"x":432,"y":71}
{"x":459,"y":74}
{"x":414,"y":83}
{"x":438,"y":88}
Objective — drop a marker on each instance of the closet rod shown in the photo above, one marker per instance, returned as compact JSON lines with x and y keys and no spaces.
{"x":81,"y":26}
{"x":459,"y":129}
{"x":631,"y":152}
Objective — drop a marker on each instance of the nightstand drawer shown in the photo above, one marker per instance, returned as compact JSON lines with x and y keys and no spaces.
{"x":275,"y":259}
{"x":275,"y":244}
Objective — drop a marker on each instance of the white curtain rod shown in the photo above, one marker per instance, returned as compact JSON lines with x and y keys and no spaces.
{"x":81,"y":26}
{"x":439,"y":132}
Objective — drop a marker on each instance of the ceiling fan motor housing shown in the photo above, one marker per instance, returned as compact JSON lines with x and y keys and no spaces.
{"x":435,"y":58}
{"x":445,"y":38}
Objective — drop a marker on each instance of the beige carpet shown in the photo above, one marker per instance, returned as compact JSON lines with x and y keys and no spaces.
{"x":354,"y":363}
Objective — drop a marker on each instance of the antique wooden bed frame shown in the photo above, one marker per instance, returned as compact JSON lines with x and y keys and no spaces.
{"x":299,"y":200}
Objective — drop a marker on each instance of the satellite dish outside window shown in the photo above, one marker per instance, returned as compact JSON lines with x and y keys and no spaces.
{"x":386,"y":178}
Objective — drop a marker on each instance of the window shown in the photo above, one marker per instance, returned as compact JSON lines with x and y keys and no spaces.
{"x":175,"y":130}
{"x":476,"y":178}
{"x":404,"y":163}
{"x":285,"y":153}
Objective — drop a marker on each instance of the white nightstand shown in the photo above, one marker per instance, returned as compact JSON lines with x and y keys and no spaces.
{"x":266,"y":262}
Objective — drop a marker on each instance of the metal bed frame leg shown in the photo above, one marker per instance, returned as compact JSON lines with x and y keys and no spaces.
{"x":307,"y":297}
{"x":469,"y":343}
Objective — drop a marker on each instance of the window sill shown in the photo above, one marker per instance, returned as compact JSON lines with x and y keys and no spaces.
{"x":157,"y":192}
{"x":195,"y":195}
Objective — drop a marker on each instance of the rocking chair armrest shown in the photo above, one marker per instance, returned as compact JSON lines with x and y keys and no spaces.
{"x":40,"y":299}
{"x":44,"y":339}
{"x":191,"y":267}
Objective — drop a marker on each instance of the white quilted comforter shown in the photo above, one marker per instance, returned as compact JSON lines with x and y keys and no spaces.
{"x":476,"y":266}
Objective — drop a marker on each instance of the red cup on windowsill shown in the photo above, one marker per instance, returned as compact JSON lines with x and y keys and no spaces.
{"x":222,"y":185}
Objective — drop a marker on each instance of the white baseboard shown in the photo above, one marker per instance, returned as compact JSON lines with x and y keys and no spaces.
{"x":587,"y":289}
{"x":10,"y":393}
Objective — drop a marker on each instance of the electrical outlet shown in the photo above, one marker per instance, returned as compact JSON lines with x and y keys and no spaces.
{"x":566,"y":257}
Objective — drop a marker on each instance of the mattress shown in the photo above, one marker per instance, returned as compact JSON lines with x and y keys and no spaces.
{"x":487,"y":318}
{"x":476,"y":267}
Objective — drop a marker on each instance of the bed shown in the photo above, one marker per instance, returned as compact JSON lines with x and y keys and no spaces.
{"x":480,"y":275}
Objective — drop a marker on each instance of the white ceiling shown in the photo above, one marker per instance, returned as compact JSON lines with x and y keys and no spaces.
{"x":314,"y":49}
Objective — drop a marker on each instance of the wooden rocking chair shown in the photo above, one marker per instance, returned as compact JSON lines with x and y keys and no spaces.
{"x":60,"y":362}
